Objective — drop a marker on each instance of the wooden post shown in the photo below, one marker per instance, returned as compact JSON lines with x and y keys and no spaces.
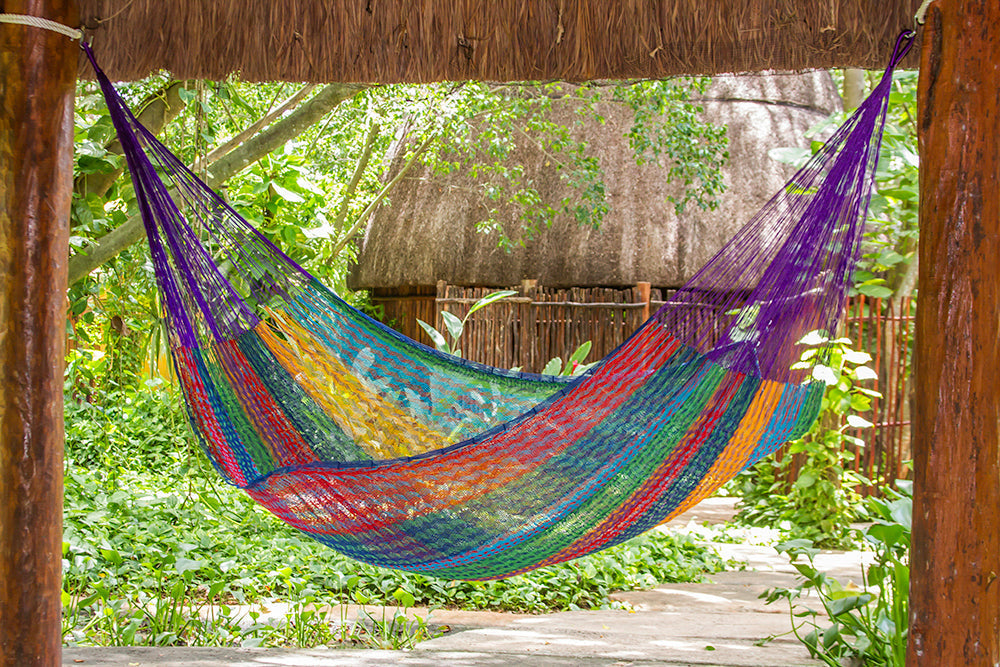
{"x":528,"y":338}
{"x":436,"y":322}
{"x":955,"y":559}
{"x":643,"y":289}
{"x":37,"y":79}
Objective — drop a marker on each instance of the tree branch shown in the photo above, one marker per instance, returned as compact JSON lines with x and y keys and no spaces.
{"x":265,"y":120}
{"x":359,"y":171}
{"x":360,"y":223}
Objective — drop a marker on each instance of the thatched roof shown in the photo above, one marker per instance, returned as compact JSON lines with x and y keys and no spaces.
{"x":501,"y":40}
{"x":428,"y":233}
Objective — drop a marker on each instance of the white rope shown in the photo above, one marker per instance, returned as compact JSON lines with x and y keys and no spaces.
{"x":921,"y":16}
{"x":45,"y":24}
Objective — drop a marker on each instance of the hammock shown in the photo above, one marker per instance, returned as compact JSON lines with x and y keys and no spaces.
{"x":401,"y":456}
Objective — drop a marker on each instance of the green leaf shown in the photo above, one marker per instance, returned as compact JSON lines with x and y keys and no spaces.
{"x":287,"y":194}
{"x":805,"y":480}
{"x":885,"y":625}
{"x":860,"y":403}
{"x":875,"y":291}
{"x":806,"y":570}
{"x":439,"y":341}
{"x":888,"y":534}
{"x":491,"y":298}
{"x":865,"y":373}
{"x":849,"y":603}
{"x":454,"y":325}
{"x":97,"y":165}
{"x":824,"y":374}
{"x":579,"y":354}
{"x":112,"y":556}
{"x":188,"y":565}
{"x":857,"y":442}
{"x":858,"y":422}
{"x":211,"y":501}
{"x":215,"y":589}
{"x":903,"y":194}
{"x":553,"y":367}
{"x":857,"y":356}
{"x":792,"y":155}
{"x":813,"y":338}
{"x":902,"y":512}
{"x":890,"y":258}
{"x":404,"y":598}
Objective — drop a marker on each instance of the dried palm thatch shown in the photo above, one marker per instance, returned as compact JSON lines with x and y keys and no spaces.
{"x":499,"y":40}
{"x":429,"y":231}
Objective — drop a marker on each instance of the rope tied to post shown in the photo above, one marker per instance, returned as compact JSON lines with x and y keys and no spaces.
{"x":921,"y":16}
{"x":44,"y":24}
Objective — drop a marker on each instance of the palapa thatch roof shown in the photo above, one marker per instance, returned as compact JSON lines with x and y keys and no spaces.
{"x":498,"y":40}
{"x":428,"y":233}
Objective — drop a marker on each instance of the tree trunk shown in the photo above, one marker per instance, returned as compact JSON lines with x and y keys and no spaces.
{"x":854,"y":89}
{"x":36,"y":182}
{"x":955,"y":559}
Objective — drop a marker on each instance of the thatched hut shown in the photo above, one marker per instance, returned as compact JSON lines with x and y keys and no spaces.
{"x":428,"y":233}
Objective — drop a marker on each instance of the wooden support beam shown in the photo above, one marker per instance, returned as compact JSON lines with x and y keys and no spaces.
{"x":955,"y":559}
{"x":37,"y":81}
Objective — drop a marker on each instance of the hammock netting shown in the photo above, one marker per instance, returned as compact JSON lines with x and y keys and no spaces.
{"x":401,"y":456}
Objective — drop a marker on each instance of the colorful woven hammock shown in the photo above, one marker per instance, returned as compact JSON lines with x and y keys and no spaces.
{"x":401,"y":456}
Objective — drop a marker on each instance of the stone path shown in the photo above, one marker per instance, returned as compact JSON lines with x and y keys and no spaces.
{"x":718,"y":623}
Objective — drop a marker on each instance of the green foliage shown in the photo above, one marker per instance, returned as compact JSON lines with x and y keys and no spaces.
{"x":145,"y":423}
{"x":822,"y":501}
{"x":891,"y":239}
{"x":157,"y":550}
{"x":581,"y":584}
{"x":116,"y":309}
{"x":695,"y":150}
{"x":478,"y":128}
{"x":867,"y":625}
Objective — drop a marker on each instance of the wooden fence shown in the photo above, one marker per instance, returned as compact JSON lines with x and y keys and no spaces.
{"x":529,"y":329}
{"x":538,"y":324}
{"x":884,"y":329}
